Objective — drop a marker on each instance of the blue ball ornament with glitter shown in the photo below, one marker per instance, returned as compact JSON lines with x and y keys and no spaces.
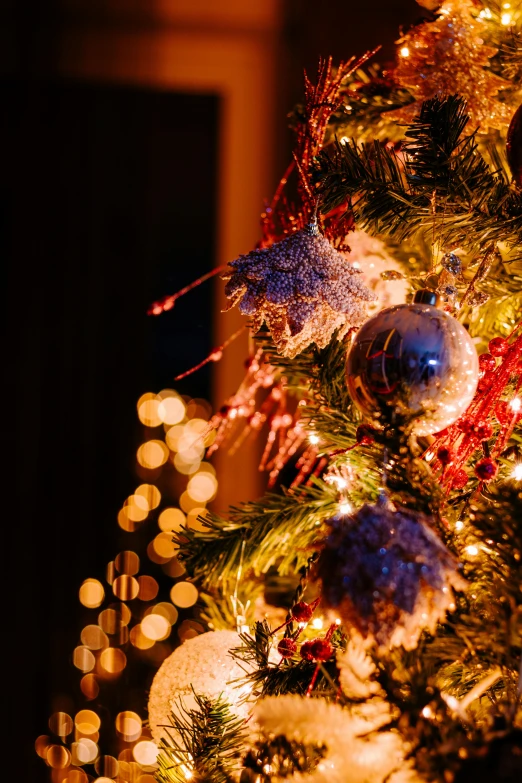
{"x":413,"y":365}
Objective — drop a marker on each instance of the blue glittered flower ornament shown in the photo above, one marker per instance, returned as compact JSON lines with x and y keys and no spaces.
{"x":385,"y":573}
{"x":302,"y":288}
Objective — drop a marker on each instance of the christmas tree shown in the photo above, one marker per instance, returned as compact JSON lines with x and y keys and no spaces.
{"x":364,"y":615}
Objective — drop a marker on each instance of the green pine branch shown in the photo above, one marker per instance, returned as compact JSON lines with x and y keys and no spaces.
{"x":204,"y":744}
{"x":258,"y":534}
{"x":439,"y":185}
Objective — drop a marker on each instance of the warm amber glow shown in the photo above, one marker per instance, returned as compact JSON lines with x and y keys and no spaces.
{"x":89,"y":686}
{"x":164,"y":546}
{"x":137,"y":508}
{"x":41,"y":745}
{"x":171,"y":410}
{"x":84,"y":751}
{"x":174,"y":568}
{"x":127,"y":563}
{"x":128,"y":725}
{"x":148,"y":588}
{"x":113,"y":660}
{"x":61,"y":724}
{"x":155,"y":627}
{"x":171,"y":519}
{"x":58,"y":757}
{"x":184,"y":594}
{"x":188,"y":503}
{"x":91,"y":593}
{"x":83,"y":659}
{"x":125,"y":523}
{"x":152,"y":454}
{"x":148,"y":405}
{"x":126,"y":587}
{"x":145,"y":752}
{"x":186,"y":466}
{"x":151,"y":494}
{"x":166,"y":610}
{"x":76,"y":776}
{"x":106,"y":766}
{"x":87,"y":722}
{"x":93,"y":637}
{"x":202,"y":487}
{"x":139,"y":640}
{"x":194,"y":518}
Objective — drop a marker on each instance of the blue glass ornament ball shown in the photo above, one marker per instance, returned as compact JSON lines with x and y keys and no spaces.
{"x":413,"y":364}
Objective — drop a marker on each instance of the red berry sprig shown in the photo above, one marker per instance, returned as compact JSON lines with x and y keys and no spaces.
{"x":287,"y":647}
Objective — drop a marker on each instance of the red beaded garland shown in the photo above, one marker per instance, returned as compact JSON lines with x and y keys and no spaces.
{"x":321,"y":649}
{"x":465,"y":425}
{"x":287,"y":647}
{"x":486,"y":469}
{"x":487,"y":362}
{"x":485,"y":382}
{"x":483,"y":431}
{"x":445,"y":455}
{"x":365,"y":435}
{"x":460,"y":479}
{"x":498,"y":346}
{"x":302,"y":612}
{"x":505,"y":413}
{"x":306,"y":651}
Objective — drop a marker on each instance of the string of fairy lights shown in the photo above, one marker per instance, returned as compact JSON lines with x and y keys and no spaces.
{"x":136,"y":618}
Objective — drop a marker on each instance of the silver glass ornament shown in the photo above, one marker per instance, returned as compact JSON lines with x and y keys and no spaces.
{"x":413,"y":364}
{"x":452,"y":263}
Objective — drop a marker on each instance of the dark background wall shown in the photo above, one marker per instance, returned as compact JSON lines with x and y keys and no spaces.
{"x":107,"y":201}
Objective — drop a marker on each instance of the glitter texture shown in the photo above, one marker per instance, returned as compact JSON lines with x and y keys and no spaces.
{"x":386,"y":574}
{"x":449,"y":57}
{"x":302,"y":288}
{"x":203,"y":664}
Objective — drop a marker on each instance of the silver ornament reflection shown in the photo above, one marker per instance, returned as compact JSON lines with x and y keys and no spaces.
{"x":414,"y":361}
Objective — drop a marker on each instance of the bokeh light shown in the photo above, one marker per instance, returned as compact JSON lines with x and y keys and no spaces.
{"x":87,"y":722}
{"x":151,"y":494}
{"x":138,"y":638}
{"x":91,"y":593}
{"x":171,"y":410}
{"x":136,"y":508}
{"x":107,"y":766}
{"x":202,"y":487}
{"x":85,"y":751}
{"x":58,"y":756}
{"x":89,"y":687}
{"x":128,"y":725}
{"x":113,"y":660}
{"x":83,"y":659}
{"x":171,"y":519}
{"x":148,"y":405}
{"x":152,"y":454}
{"x":61,"y":724}
{"x":184,"y":594}
{"x":99,"y":656}
{"x":93,"y":637}
{"x":164,"y":546}
{"x":125,"y":587}
{"x":155,"y":627}
{"x":127,"y":563}
{"x":145,"y":752}
{"x":148,"y":588}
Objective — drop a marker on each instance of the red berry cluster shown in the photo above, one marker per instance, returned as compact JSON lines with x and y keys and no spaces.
{"x":316,"y":650}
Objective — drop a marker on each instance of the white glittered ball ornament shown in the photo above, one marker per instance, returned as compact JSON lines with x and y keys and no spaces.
{"x":203,"y":665}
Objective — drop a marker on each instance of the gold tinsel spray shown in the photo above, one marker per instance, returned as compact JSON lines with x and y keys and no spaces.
{"x":449,"y":56}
